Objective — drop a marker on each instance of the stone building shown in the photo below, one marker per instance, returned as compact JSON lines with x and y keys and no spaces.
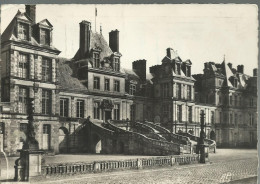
{"x":234,"y":94}
{"x":174,"y":96}
{"x":94,"y":85}
{"x":29,"y":62}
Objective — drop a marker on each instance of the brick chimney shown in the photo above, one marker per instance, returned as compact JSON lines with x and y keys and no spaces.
{"x":240,"y":68}
{"x":84,"y":38}
{"x":139,"y":67}
{"x":170,"y":53}
{"x":255,"y":72}
{"x":31,"y":12}
{"x":114,"y":40}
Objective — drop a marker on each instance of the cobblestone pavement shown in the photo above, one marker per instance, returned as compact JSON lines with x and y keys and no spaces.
{"x":226,"y":165}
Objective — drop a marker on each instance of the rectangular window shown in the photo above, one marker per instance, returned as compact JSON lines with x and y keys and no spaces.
{"x":190,"y":113}
{"x":132,"y":112}
{"x":165,"y":90}
{"x":251,"y":119}
{"x":96,"y":59}
{"x":80,"y":108}
{"x":64,"y":104}
{"x":189,"y":92}
{"x":230,"y":100}
{"x":212,"y":117}
{"x":178,"y":90}
{"x":23,"y":131}
{"x":251,"y":102}
{"x":179,"y":113}
{"x":116,"y":112}
{"x":132,"y":89}
{"x":96,"y":110}
{"x":166,"y":110}
{"x":23,"y":66}
{"x":96,"y":83}
{"x":188,"y":71}
{"x":23,"y":100}
{"x":46,"y":101}
{"x":236,"y":119}
{"x":178,"y":66}
{"x":23,"y":31}
{"x":107,"y":85}
{"x":46,"y":69}
{"x":117,"y":85}
{"x":231,"y":118}
{"x":45,"y":34}
{"x":116,"y":64}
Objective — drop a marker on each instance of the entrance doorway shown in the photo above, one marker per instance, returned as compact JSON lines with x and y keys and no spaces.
{"x":107,"y":115}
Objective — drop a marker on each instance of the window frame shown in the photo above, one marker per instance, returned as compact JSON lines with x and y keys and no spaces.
{"x":46,"y":102}
{"x":23,"y":72}
{"x":80,"y":106}
{"x":96,"y":59}
{"x":23,"y":96}
{"x":116,"y":111}
{"x":64,"y":103}
{"x":107,"y":84}
{"x":46,"y":69}
{"x":96,"y":83}
{"x":23,"y":32}
{"x":117,"y":85}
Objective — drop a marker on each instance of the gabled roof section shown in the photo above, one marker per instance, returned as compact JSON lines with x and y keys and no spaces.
{"x":23,"y":15}
{"x":45,"y":22}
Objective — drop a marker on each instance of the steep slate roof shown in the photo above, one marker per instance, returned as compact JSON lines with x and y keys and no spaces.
{"x":66,"y":81}
{"x":9,"y":33}
{"x":97,"y":41}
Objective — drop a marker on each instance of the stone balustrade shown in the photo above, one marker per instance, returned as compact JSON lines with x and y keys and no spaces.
{"x":101,"y":166}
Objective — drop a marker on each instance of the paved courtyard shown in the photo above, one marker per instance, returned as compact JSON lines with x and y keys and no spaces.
{"x":227,"y":165}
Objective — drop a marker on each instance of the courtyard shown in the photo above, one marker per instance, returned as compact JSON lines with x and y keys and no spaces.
{"x":227,"y":165}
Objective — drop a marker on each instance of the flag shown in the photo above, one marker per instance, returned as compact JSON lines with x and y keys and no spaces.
{"x":96,"y":11}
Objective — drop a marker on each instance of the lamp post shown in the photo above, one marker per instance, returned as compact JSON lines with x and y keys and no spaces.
{"x":201,"y":144}
{"x":31,"y":143}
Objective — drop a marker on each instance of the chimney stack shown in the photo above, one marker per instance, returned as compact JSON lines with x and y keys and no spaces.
{"x":114,"y":40}
{"x":255,"y":72}
{"x":240,"y":68}
{"x":31,"y":12}
{"x":170,"y":53}
{"x":84,"y":38}
{"x":139,"y":67}
{"x":230,"y":65}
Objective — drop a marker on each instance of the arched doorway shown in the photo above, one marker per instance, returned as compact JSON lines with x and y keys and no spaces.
{"x":63,"y":140}
{"x":96,"y":143}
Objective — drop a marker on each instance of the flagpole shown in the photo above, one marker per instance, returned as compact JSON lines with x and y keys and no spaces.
{"x":95,"y":18}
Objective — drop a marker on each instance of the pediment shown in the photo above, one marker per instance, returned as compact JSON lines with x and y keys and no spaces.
{"x":23,"y":16}
{"x":46,"y":23}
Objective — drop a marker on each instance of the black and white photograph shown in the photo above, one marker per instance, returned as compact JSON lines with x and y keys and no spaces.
{"x":129,"y":93}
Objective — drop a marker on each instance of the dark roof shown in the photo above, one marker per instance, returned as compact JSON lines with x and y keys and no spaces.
{"x":97,"y":41}
{"x":66,"y":81}
{"x":9,"y":33}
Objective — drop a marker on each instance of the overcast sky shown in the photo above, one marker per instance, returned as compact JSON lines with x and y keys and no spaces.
{"x":200,"y":33}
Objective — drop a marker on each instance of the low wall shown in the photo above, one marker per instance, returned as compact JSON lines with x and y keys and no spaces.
{"x":101,"y":166}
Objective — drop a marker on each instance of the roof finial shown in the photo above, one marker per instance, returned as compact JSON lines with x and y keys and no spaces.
{"x":101,"y":29}
{"x":224,"y":57}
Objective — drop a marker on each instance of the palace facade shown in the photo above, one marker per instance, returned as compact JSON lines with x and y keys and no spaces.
{"x":94,"y":85}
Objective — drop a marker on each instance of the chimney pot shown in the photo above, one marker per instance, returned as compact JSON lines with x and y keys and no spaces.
{"x":170,"y":53}
{"x":255,"y":72}
{"x":114,"y":40}
{"x":31,"y":12}
{"x":84,"y":38}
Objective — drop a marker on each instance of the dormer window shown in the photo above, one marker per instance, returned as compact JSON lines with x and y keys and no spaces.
{"x":132,"y":89}
{"x":235,"y":82}
{"x":116,"y":64}
{"x":96,"y":59}
{"x":178,"y":68}
{"x":23,"y":31}
{"x":45,"y":37}
{"x":188,"y":71}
